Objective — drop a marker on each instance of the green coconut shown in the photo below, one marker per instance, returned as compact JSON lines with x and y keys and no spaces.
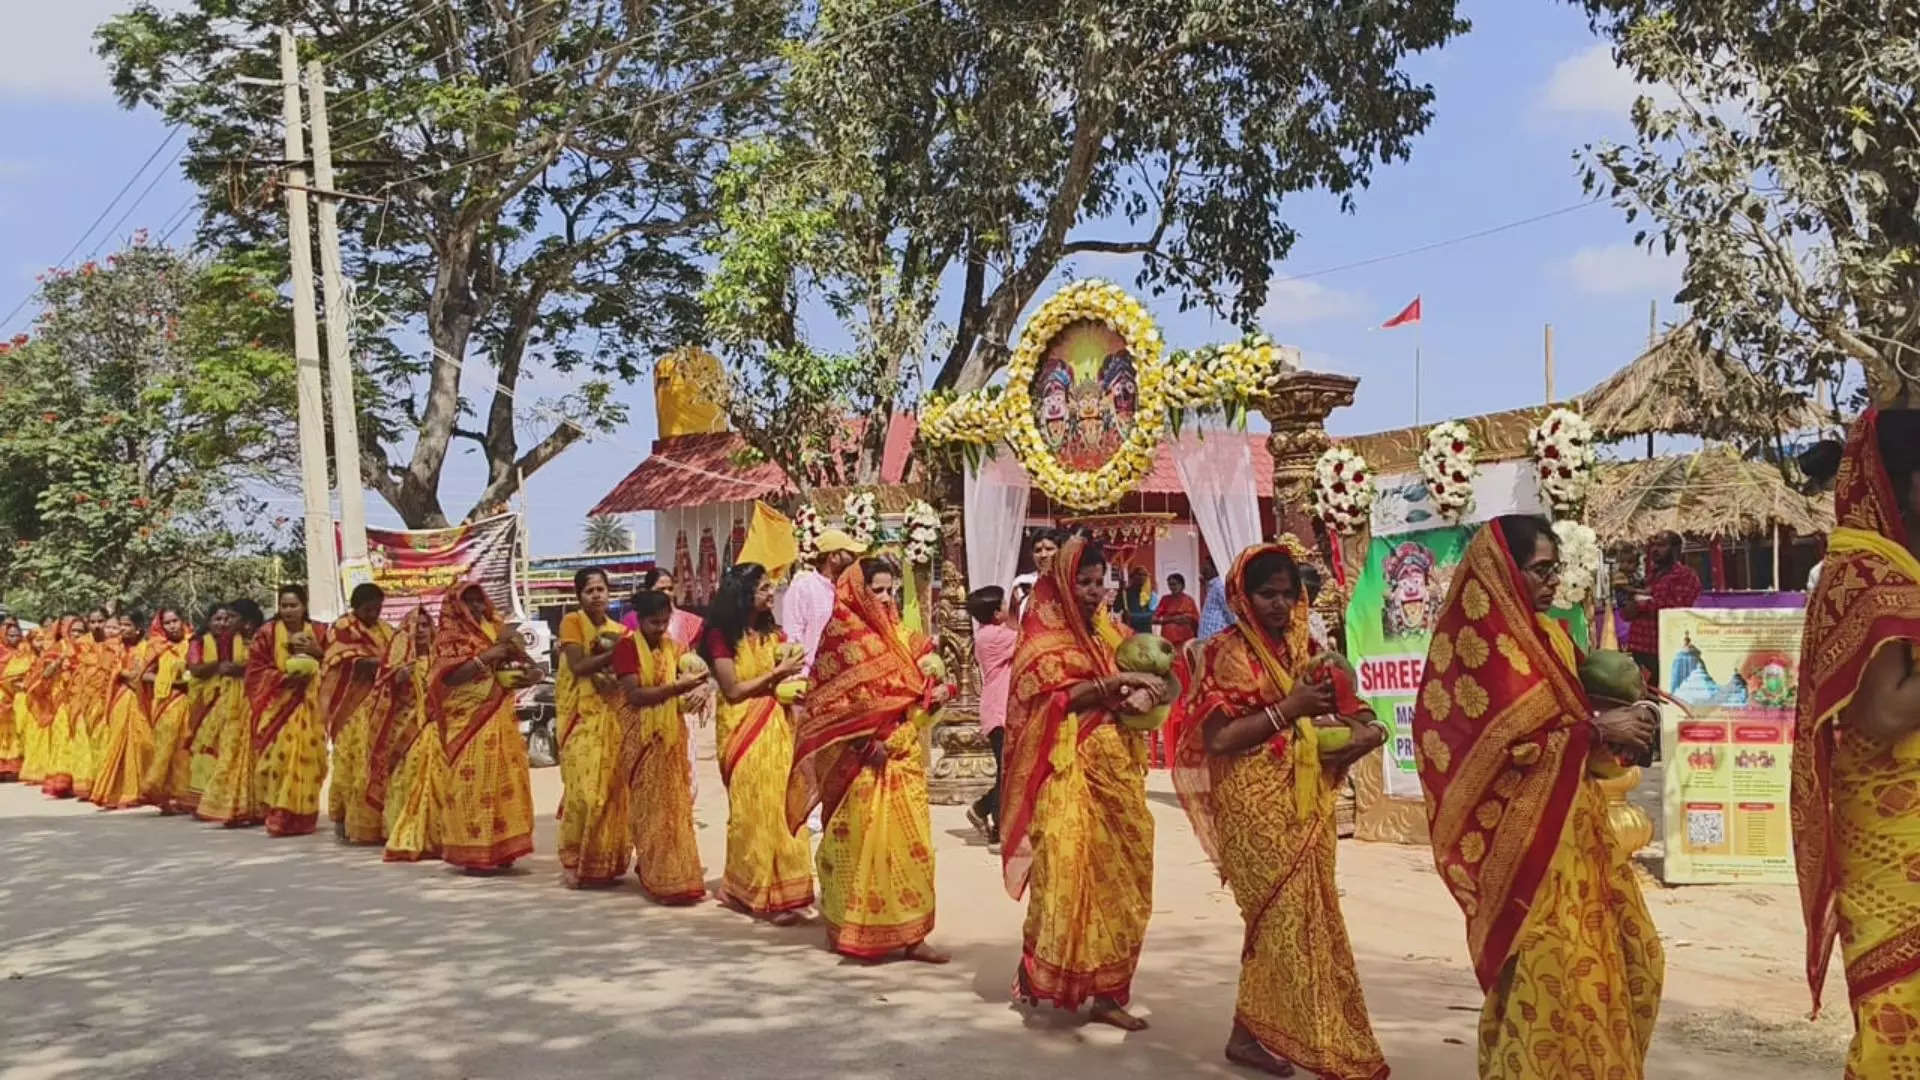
{"x":693,"y":665}
{"x":1333,"y":738}
{"x":1150,"y":653}
{"x":1612,"y":676}
{"x":933,"y":667}
{"x":1151,"y":720}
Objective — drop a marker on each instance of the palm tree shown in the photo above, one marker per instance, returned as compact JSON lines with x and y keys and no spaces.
{"x":605,"y":534}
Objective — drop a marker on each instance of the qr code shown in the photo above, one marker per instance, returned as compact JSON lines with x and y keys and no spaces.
{"x":1706,"y":828}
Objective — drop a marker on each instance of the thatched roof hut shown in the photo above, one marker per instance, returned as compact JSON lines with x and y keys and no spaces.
{"x":1662,"y":391}
{"x":1710,"y":494}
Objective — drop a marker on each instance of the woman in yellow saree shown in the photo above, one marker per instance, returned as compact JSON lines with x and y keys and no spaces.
{"x":857,"y":756}
{"x":15,"y":658}
{"x":595,"y":839}
{"x":164,"y":782}
{"x":1074,"y":801}
{"x":1260,"y":794}
{"x":408,"y":776}
{"x":490,"y":797}
{"x":96,"y":662}
{"x":220,"y":779}
{"x":28,"y":664}
{"x":769,"y":873}
{"x":46,"y":702}
{"x":130,"y":734}
{"x":653,"y":760}
{"x":1856,"y":754}
{"x":1505,"y":739}
{"x":349,"y":678}
{"x":289,"y":736}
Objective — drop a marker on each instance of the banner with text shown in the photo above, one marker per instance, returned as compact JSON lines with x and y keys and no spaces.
{"x":1728,"y":756}
{"x":415,"y":567}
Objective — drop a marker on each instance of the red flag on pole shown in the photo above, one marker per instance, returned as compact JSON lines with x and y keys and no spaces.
{"x":1408,"y":314}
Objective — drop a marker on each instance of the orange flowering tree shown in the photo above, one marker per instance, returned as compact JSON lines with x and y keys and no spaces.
{"x":141,"y":426}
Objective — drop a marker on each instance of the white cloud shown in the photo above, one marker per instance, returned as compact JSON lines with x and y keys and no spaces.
{"x":1590,"y":82}
{"x":1291,"y":301}
{"x":1612,"y":269}
{"x":50,"y":49}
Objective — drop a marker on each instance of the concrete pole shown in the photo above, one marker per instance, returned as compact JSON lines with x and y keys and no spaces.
{"x":323,"y":573}
{"x":1549,"y":345}
{"x":346,"y":419}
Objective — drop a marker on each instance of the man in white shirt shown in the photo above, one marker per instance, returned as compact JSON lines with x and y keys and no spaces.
{"x":808,"y":605}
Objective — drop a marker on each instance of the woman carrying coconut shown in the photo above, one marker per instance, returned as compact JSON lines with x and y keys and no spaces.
{"x":409,"y":770}
{"x":220,"y":777}
{"x":658,"y":681}
{"x":478,"y":664}
{"x":352,"y":701}
{"x":1505,"y":738}
{"x":1074,"y":818}
{"x":1259,"y":790}
{"x":769,"y":871}
{"x":289,"y":734}
{"x":595,"y":839}
{"x":1856,"y":758}
{"x":857,"y":756}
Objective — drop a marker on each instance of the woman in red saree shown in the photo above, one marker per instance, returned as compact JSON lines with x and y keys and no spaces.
{"x":350,"y":704}
{"x":857,"y":756}
{"x":1856,"y":754}
{"x":1505,"y":738}
{"x":289,"y":735}
{"x":1260,"y":794}
{"x":407,"y":776}
{"x":477,"y":665}
{"x":1074,"y":818}
{"x":769,"y":872}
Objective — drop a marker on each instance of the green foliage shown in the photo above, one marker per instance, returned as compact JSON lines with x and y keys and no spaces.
{"x":1784,"y":160}
{"x":546,"y":170}
{"x":153,"y":394}
{"x":605,"y":534}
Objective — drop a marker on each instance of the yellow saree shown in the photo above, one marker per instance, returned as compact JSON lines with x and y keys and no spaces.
{"x":858,"y":756}
{"x":410,"y":778}
{"x":166,"y":780}
{"x":1300,"y":994}
{"x":1075,"y":822}
{"x":289,"y":736}
{"x":32,"y":708}
{"x":489,"y":800}
{"x":220,"y":777}
{"x":96,"y":665}
{"x":595,"y":838}
{"x":47,"y":694}
{"x":658,"y":776}
{"x":13,"y":679}
{"x":1556,"y":925}
{"x":129,"y":742}
{"x":769,"y":869}
{"x":350,"y":697}
{"x":1856,"y":830}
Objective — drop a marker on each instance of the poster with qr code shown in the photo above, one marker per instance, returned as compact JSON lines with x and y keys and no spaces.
{"x":1726,"y":741}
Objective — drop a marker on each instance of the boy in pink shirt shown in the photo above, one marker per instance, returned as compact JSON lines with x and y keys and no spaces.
{"x":993,"y":642}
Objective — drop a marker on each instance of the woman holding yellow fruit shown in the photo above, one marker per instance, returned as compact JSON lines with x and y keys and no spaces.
{"x":351,"y":701}
{"x":289,"y":736}
{"x":659,"y":684}
{"x":478,"y":663}
{"x":594,"y":843}
{"x":769,"y":873}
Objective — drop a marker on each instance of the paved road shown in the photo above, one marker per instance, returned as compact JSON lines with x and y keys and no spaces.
{"x":134,"y":946}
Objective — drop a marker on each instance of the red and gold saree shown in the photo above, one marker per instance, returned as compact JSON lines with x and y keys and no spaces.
{"x":1265,"y":817}
{"x":352,"y":700}
{"x":47,"y":694}
{"x":165,"y":782}
{"x":1855,"y":829}
{"x":94,"y":671}
{"x":1556,"y":926}
{"x":220,"y":778}
{"x":128,"y":747}
{"x":490,"y":795}
{"x":658,"y":775}
{"x":1074,"y":819}
{"x":30,"y":664}
{"x":857,"y":756}
{"x":407,"y":776}
{"x":289,"y":736}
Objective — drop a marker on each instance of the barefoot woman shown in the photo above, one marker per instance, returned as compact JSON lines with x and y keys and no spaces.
{"x":490,"y":794}
{"x":1074,"y":812}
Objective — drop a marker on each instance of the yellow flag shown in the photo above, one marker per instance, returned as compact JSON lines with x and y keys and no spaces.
{"x":683,"y":381}
{"x":770,"y":540}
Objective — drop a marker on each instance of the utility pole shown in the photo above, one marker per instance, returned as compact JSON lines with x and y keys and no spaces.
{"x":346,"y":420}
{"x":1549,"y":348}
{"x":323,"y":575}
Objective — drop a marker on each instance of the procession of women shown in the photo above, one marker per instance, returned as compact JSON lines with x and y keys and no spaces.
{"x":408,"y":734}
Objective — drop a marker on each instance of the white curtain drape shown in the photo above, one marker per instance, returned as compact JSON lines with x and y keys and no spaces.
{"x":996,"y":511}
{"x":1216,"y":468}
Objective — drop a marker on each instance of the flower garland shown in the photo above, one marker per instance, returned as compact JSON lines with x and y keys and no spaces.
{"x":923,"y":531}
{"x":1103,"y":302}
{"x":1579,"y":563}
{"x":1448,"y":465}
{"x":806,"y":532}
{"x":1563,"y":457}
{"x":977,"y":418}
{"x":1342,"y":490}
{"x":862,"y":513}
{"x":1234,"y":374}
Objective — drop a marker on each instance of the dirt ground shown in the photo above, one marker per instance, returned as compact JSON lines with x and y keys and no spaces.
{"x":135,"y":946}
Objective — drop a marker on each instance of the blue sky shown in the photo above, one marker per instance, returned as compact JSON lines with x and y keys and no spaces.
{"x":1527,"y":87}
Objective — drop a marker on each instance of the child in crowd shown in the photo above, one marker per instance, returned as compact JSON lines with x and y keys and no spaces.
{"x":994,"y":637}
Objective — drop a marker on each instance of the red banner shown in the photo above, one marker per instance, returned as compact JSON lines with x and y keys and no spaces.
{"x":415,"y":568}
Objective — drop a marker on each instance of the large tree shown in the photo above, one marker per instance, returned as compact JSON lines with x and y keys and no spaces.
{"x":967,"y":149}
{"x":1783,"y":157}
{"x":543,"y":170}
{"x":139,"y":427}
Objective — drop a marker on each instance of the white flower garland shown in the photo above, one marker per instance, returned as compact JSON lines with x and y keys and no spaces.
{"x":1342,"y":490}
{"x":806,"y":532}
{"x":1233,"y":372}
{"x":923,"y":532}
{"x":1448,"y":465}
{"x":862,"y":513}
{"x":1563,"y":458}
{"x":1579,"y":563}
